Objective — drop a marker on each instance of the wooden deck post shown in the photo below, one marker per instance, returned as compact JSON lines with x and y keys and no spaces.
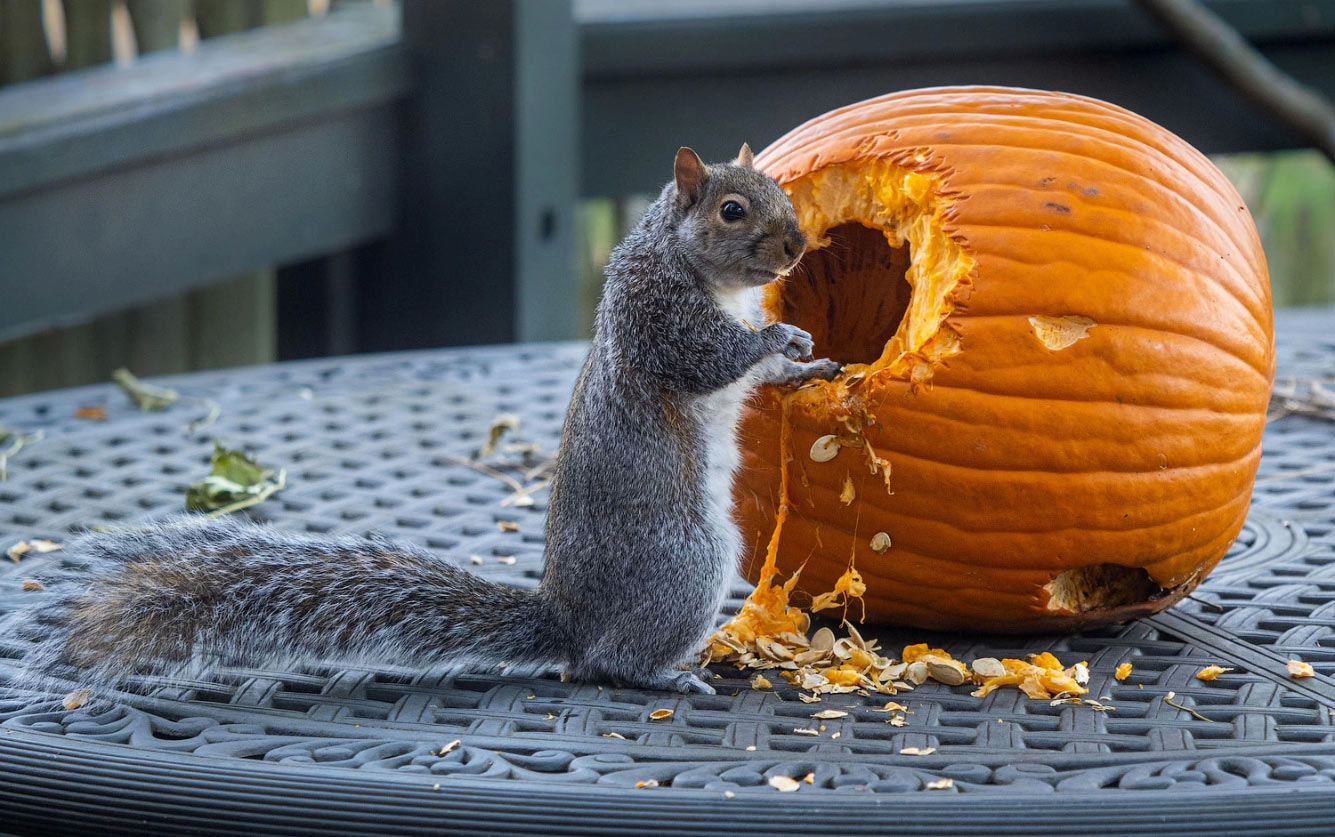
{"x":484,"y":251}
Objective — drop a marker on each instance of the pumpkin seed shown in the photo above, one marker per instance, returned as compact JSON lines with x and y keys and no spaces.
{"x":945,"y":673}
{"x":988,"y":667}
{"x":825,"y":448}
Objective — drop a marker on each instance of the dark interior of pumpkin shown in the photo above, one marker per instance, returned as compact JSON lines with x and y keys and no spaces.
{"x":850,"y":294}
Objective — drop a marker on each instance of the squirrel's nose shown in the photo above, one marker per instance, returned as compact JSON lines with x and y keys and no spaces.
{"x":793,"y":244}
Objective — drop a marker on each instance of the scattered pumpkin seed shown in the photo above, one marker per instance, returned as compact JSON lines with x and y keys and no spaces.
{"x":825,"y":448}
{"x":1297,"y":668}
{"x":76,"y":698}
{"x":784,"y":784}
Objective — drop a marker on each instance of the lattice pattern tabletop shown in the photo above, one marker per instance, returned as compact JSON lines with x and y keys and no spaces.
{"x":374,"y":444}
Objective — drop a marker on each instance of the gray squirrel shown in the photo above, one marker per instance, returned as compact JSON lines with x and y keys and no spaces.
{"x":641,"y":542}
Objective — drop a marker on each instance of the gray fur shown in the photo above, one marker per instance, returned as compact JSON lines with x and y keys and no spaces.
{"x":640,"y":537}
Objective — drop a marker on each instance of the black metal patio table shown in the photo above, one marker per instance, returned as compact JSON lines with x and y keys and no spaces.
{"x":378,"y":443}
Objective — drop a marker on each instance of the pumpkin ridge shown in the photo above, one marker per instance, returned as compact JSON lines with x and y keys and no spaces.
{"x":1104,"y":138}
{"x":964,"y":100}
{"x":1244,"y":364}
{"x":1159,"y":254}
{"x":1094,"y":208}
{"x":1226,"y":230}
{"x":868,"y":561}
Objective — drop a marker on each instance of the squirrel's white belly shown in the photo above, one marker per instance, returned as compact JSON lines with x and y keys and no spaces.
{"x":719,"y":414}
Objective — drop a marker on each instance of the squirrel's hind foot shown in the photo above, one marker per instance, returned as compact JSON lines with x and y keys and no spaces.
{"x":685,"y":682}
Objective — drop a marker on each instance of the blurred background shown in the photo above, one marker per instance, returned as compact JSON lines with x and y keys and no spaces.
{"x":189,"y":184}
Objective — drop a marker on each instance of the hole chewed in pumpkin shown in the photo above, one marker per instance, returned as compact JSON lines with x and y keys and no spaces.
{"x":851,"y":294}
{"x":1101,"y":587}
{"x":884,"y":273}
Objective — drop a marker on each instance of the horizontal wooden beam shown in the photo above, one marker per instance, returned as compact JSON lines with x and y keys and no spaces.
{"x":122,"y":184}
{"x":705,"y":75}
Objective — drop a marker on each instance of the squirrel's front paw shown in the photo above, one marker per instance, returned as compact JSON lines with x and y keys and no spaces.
{"x":825,"y":369}
{"x":792,"y":341}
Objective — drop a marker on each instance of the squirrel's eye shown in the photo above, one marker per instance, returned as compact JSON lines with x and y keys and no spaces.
{"x":731,"y":211}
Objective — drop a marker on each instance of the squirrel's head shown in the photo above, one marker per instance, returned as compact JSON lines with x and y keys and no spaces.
{"x":737,"y":226}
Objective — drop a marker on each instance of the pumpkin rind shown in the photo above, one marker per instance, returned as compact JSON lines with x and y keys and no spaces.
{"x":1089,"y":390}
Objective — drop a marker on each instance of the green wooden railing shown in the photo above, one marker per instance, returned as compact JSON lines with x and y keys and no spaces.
{"x":408,"y":174}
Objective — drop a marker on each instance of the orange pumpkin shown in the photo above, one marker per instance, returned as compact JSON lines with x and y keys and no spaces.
{"x":1057,"y":326}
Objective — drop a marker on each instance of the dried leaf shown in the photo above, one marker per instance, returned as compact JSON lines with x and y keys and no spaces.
{"x":16,"y":552}
{"x":15,"y":443}
{"x":235,"y":482}
{"x":500,"y":425}
{"x":507,"y":526}
{"x":145,"y":396}
{"x":92,"y":412}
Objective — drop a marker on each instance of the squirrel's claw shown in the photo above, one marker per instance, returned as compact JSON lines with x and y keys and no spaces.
{"x":686,"y":682}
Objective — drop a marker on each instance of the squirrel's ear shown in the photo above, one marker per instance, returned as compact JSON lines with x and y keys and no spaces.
{"x":690,"y":174}
{"x":745,"y":157}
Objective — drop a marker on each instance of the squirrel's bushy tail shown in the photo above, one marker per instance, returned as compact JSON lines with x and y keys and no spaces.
{"x":239,"y":592}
